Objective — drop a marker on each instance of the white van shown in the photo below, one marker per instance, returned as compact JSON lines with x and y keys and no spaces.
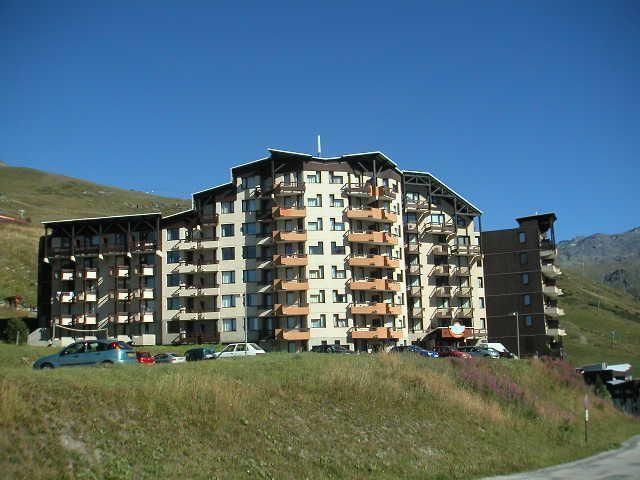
{"x":496,"y":346}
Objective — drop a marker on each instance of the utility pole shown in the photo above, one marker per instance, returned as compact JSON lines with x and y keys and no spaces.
{"x":517,"y":315}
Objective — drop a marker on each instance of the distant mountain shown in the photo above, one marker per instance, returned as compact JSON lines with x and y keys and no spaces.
{"x":610,"y":259}
{"x":36,"y":196}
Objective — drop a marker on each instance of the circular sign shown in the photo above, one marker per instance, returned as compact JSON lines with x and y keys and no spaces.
{"x":457,"y":330}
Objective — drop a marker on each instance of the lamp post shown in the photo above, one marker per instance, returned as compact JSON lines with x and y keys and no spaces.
{"x":517,"y":315}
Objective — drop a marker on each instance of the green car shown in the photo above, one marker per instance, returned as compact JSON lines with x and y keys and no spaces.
{"x":202,"y":353}
{"x":89,"y":352}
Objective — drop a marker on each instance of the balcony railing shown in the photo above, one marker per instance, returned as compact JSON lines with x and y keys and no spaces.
{"x":294,"y":212}
{"x":63,"y":319}
{"x":414,"y":291}
{"x":372,"y":214}
{"x":289,"y":188}
{"x":443,"y":291}
{"x":85,"y":319}
{"x":374,"y":261}
{"x":120,"y":294}
{"x":552,"y":291}
{"x":121,"y":271}
{"x":144,"y":246}
{"x":293,"y":260}
{"x":144,"y":293}
{"x":443,"y":312}
{"x":440,"y":249}
{"x":551,"y":271}
{"x":385,"y":193}
{"x":281,"y":236}
{"x":467,"y":250}
{"x":462,"y":271}
{"x":416,"y":205}
{"x":441,"y":270}
{"x":290,"y":285}
{"x":87,"y":297}
{"x":281,"y":310}
{"x":370,"y":237}
{"x":145,"y":270}
{"x":553,"y":311}
{"x":464,"y":312}
{"x":375,"y":308}
{"x":66,"y":275}
{"x":359,"y":190}
{"x":463,"y":292}
{"x":66,"y":297}
{"x":292,"y":334}
{"x":375,"y":333}
{"x":144,"y":317}
{"x":89,"y":274}
{"x":374,"y":284}
{"x":435,"y":227}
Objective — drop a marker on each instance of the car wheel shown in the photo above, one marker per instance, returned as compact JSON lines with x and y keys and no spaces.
{"x":107,"y":363}
{"x":46,"y":366}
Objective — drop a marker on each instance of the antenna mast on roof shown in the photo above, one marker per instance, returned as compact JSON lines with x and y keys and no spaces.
{"x":319,"y":147}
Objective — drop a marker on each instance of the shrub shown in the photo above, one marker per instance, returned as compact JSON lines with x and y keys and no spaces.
{"x":16,"y":328}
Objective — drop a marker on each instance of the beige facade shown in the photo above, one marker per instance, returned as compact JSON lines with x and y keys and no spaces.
{"x":297,"y":251}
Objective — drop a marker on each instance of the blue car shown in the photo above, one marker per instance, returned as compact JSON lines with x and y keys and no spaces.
{"x":89,"y":352}
{"x":423,"y":352}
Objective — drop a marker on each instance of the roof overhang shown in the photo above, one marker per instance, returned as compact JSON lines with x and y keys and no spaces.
{"x":475,"y":210}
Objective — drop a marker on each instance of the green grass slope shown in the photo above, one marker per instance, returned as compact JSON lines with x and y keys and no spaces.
{"x":46,"y":196}
{"x":296,"y":416}
{"x":593,"y":312}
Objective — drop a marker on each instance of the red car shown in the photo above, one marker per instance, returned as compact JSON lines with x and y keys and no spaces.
{"x":451,"y":352}
{"x":145,"y":357}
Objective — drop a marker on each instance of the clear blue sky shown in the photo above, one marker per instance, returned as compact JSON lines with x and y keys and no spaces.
{"x":520,"y":106}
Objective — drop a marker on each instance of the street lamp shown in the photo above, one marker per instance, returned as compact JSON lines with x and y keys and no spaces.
{"x":517,"y":315}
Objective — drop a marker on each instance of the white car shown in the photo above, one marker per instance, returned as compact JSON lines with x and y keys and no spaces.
{"x":239,"y":350}
{"x":169,"y":358}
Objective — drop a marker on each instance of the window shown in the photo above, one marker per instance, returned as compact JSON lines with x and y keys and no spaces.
{"x":339,"y":297}
{"x":250,"y":182}
{"x":337,"y":249}
{"x":336,"y":178}
{"x":173,"y":280}
{"x":254,"y":323}
{"x":314,"y":201}
{"x":315,"y":274}
{"x":316,"y":249}
{"x":249,"y":205}
{"x":227,"y":207}
{"x":522,"y":237}
{"x":526,"y":299}
{"x":528,"y":320}
{"x":317,"y":297}
{"x":227,"y":230}
{"x":249,"y":228}
{"x":229,"y":276}
{"x":437,"y":218}
{"x":173,"y":256}
{"x":315,"y":226}
{"x":250,"y":276}
{"x":335,"y":273}
{"x":229,"y":324}
{"x":525,"y":279}
{"x":228,"y":301}
{"x":249,"y":251}
{"x":336,"y":202}
{"x":173,"y":304}
{"x":462,"y":240}
{"x":460,"y":221}
{"x":173,"y":234}
{"x":524,"y":258}
{"x":481,"y":302}
{"x":319,"y":322}
{"x":315,"y":178}
{"x":339,"y":322}
{"x":228,"y":253}
{"x":480,"y":282}
{"x":337,"y":226}
{"x":251,"y":299}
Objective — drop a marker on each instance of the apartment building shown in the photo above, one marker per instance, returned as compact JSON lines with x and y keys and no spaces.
{"x":295,"y":251}
{"x":521,"y":290}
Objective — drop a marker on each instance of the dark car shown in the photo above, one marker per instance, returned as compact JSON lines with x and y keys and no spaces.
{"x":451,"y":352}
{"x":423,"y":352}
{"x":196,"y":354}
{"x":330,"y":349}
{"x":480,"y":351}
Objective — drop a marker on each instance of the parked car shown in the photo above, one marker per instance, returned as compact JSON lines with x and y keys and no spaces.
{"x":502,"y":350}
{"x":239,"y":350}
{"x":330,"y":349}
{"x":169,"y":357}
{"x":451,"y":352}
{"x":423,"y":352}
{"x":89,"y":352}
{"x":481,"y":351}
{"x":145,"y":357}
{"x":196,"y":354}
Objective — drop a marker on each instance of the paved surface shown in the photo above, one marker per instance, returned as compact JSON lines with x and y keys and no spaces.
{"x":620,"y":464}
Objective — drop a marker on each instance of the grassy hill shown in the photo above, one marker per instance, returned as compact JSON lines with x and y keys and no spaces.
{"x":296,"y":416}
{"x":45,"y":196}
{"x":594,"y":311}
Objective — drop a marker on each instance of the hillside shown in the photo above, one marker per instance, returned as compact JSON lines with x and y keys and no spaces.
{"x":613,"y":260}
{"x":39,"y":196}
{"x":602,"y":323}
{"x":296,"y":416}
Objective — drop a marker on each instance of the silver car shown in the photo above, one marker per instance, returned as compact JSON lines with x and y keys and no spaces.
{"x":240,"y":350}
{"x":169,"y":358}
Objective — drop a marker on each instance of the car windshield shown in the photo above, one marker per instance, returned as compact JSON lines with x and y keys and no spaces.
{"x":255,"y":347}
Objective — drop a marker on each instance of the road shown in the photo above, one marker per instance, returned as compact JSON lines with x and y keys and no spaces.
{"x":620,"y":464}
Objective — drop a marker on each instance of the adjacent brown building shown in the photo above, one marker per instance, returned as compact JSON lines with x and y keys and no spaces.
{"x":520,"y":287}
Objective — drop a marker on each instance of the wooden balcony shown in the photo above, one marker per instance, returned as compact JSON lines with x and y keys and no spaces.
{"x":414,"y":291}
{"x":385,"y":193}
{"x":360,"y":190}
{"x":464,"y":312}
{"x":290,"y":285}
{"x":282,"y":189}
{"x":375,"y":333}
{"x":372,"y":214}
{"x":290,"y":310}
{"x":292,"y":334}
{"x":440,"y":249}
{"x":373,"y":308}
{"x":378,"y":284}
{"x":120,"y":271}
{"x":444,"y":228}
{"x":374,"y":261}
{"x":294,"y":260}
{"x":414,"y":269}
{"x":280,"y":212}
{"x":280,"y":236}
{"x":413,"y":248}
{"x":462,"y":271}
{"x":463,"y":292}
{"x":466,"y":250}
{"x":373,"y":238}
{"x":416,"y":206}
{"x":443,"y":313}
